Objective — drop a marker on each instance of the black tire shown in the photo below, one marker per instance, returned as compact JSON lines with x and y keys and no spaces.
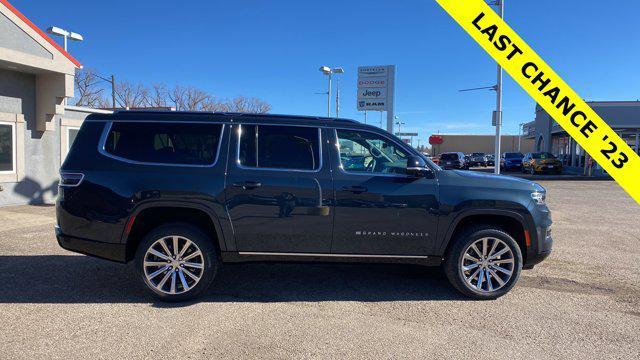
{"x":453,"y":260}
{"x":196,"y":236}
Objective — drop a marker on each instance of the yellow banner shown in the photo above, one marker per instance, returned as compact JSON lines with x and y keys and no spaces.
{"x":549,"y":91}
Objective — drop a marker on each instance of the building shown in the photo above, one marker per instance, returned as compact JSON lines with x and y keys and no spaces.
{"x":622,"y":116}
{"x":36,"y":128}
{"x":481,"y":143}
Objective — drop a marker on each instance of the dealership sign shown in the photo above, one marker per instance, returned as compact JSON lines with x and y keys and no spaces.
{"x":375,"y":87}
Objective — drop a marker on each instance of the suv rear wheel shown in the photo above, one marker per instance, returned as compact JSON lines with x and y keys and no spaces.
{"x":484,"y":263}
{"x":176,"y":262}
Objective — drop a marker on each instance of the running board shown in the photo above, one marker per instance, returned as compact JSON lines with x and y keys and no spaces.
{"x":252,"y":256}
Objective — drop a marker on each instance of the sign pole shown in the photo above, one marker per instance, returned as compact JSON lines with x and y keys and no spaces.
{"x":498,"y":105}
{"x":391,"y":76}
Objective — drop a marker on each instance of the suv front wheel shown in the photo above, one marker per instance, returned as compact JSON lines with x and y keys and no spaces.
{"x":484,"y":263}
{"x":176,"y":261}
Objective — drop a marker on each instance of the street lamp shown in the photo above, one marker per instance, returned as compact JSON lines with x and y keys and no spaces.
{"x":399,"y":123}
{"x":329,"y":72}
{"x":54,"y":30}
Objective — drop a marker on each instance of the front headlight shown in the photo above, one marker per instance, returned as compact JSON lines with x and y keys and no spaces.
{"x":539,"y":197}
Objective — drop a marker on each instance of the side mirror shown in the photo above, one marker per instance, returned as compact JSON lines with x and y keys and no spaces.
{"x":416,"y":166}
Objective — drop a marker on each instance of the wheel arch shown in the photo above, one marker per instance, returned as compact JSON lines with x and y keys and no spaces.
{"x":146,"y":217}
{"x":514,"y":223}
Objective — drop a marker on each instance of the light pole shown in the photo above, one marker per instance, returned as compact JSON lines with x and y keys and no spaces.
{"x":500,"y":4}
{"x":54,"y":30}
{"x":520,"y":132}
{"x":329,"y":72}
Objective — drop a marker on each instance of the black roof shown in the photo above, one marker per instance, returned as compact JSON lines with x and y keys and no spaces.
{"x":165,"y":115}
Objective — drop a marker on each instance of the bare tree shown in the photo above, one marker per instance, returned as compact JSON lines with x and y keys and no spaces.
{"x":89,"y":91}
{"x":131,"y":95}
{"x":244,"y":104}
{"x":158,"y":96}
{"x":190,"y":99}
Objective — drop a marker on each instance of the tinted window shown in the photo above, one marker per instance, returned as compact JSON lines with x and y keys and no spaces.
{"x":167,"y":143}
{"x":449,"y":157}
{"x":544,"y":155}
{"x":513,"y":155}
{"x":363,"y":151}
{"x":6,"y":147}
{"x":281,"y":147}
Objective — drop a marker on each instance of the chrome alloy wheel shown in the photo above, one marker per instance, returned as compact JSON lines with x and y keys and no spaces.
{"x":173,"y":264}
{"x":487,"y":264}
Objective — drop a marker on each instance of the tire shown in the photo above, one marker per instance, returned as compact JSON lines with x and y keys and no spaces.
{"x":455,"y":260}
{"x":176,"y":273}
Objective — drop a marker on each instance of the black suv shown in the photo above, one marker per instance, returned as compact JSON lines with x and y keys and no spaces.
{"x":181,"y":193}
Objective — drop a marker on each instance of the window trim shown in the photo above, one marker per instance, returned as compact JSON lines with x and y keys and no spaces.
{"x":107,"y":128}
{"x":341,"y":167}
{"x":243,"y":167}
{"x":14,"y":149}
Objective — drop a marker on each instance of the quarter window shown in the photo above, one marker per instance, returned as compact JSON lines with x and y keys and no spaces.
{"x":164,"y":143}
{"x":72,"y":133}
{"x":366,"y":152}
{"x":280,"y":147}
{"x":7,"y":148}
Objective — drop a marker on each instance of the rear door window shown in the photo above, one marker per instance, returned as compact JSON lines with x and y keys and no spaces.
{"x":164,"y":143}
{"x":279,"y":147}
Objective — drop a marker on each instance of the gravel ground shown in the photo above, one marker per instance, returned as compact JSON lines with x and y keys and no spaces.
{"x":581,"y":303}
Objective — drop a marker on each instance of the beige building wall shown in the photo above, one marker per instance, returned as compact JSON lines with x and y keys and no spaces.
{"x":481,"y":143}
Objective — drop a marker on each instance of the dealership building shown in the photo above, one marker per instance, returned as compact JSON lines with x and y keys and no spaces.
{"x":36,"y":127}
{"x":622,"y":116}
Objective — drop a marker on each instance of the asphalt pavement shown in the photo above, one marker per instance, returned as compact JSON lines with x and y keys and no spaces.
{"x":581,"y":303}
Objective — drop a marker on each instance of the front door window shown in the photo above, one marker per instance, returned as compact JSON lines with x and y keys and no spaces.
{"x":365,"y":152}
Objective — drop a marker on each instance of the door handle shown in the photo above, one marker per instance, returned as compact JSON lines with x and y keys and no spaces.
{"x":354,"y":189}
{"x":247,"y":185}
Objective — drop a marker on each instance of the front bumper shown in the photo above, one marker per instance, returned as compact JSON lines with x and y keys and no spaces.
{"x":540,"y":237}
{"x":108,"y":251}
{"x":547,"y":167}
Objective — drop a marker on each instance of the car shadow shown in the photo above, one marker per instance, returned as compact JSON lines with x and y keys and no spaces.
{"x":82,"y":279}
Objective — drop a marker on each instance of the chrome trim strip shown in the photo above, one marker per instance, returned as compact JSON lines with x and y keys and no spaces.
{"x":240,"y":166}
{"x":333,"y":255}
{"x":107,"y":129}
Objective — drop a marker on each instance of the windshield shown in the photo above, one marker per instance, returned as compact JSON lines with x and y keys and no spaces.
{"x":477,"y":154}
{"x":544,"y":155}
{"x":449,"y":157}
{"x":513,"y":156}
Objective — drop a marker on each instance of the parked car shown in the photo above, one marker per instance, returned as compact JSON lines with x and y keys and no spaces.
{"x":435,"y":159}
{"x":179,"y":194}
{"x":453,"y":160}
{"x":511,"y":161}
{"x":543,"y":162}
{"x":477,"y":159}
{"x":489,"y":160}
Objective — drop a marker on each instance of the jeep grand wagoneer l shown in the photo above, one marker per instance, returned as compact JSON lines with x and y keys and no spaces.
{"x":182,"y":193}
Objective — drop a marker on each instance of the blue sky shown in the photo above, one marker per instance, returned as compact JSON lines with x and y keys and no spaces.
{"x":272,"y":50}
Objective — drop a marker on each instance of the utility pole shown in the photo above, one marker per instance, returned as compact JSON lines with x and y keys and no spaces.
{"x":112,"y":81}
{"x":113,"y":91}
{"x":498,"y":119}
{"x":338,"y":98}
